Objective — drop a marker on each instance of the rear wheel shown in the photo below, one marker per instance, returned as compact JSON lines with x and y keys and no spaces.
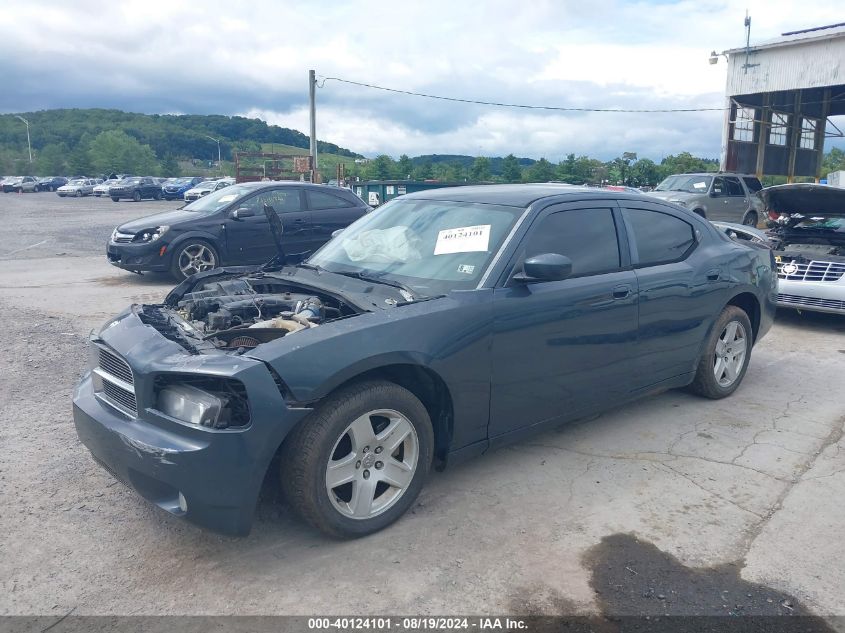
{"x":113,"y":199}
{"x":79,"y":193}
{"x":194,"y":256}
{"x":157,"y":195}
{"x":750,"y":219}
{"x":699,"y":212}
{"x":136,"y":196}
{"x":36,"y":189}
{"x":358,"y":462}
{"x":726,"y":354}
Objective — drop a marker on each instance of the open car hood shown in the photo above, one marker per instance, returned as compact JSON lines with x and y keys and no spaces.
{"x":806,"y":199}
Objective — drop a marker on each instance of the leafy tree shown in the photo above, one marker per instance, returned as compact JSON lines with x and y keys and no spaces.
{"x":51,"y":160}
{"x":541,"y":171}
{"x":404,"y":168}
{"x":644,"y":172}
{"x":511,"y":171}
{"x":480,"y":169}
{"x":381,"y":168}
{"x":116,"y":151}
{"x":78,"y":161}
{"x":834,"y":160}
{"x":170,"y":167}
{"x":424,"y":171}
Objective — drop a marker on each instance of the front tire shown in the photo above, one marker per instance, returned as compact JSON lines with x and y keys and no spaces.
{"x":136,"y":196}
{"x":115,"y":199}
{"x":194,"y":256}
{"x":358,"y":462}
{"x":726,"y":355}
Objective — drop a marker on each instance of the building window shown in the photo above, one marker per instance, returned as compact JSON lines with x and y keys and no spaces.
{"x":744,"y":124}
{"x":808,"y":133}
{"x":780,"y":124}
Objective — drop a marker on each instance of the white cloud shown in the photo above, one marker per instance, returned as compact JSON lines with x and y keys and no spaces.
{"x":246,"y":57}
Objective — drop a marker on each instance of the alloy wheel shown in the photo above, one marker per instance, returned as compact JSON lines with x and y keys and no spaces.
{"x":372,"y":464}
{"x":730,"y":353}
{"x":196,"y":258}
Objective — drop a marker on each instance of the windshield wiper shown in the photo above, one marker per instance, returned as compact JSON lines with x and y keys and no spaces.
{"x":379,"y":279}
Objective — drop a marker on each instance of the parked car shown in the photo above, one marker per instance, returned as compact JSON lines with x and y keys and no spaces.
{"x":102,"y":190}
{"x":135,"y":188}
{"x":808,"y":230}
{"x":21,"y":184}
{"x":441,"y":325}
{"x":206,"y":187}
{"x":715,"y":196}
{"x":176,"y":189}
{"x":51,"y":183}
{"x":78,"y":188}
{"x":228,"y":227}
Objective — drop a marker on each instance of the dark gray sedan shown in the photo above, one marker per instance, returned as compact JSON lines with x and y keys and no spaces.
{"x":439,"y":326}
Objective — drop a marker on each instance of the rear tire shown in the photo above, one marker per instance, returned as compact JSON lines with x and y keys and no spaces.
{"x":375,"y":439}
{"x":115,"y":199}
{"x":136,"y":196}
{"x":727,"y":353}
{"x":750,"y":219}
{"x":36,"y":189}
{"x":700,"y":212}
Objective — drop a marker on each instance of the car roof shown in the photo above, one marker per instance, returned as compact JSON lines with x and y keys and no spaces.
{"x":521,"y":195}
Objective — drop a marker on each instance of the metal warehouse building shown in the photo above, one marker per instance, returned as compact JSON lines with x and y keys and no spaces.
{"x":779,"y":96}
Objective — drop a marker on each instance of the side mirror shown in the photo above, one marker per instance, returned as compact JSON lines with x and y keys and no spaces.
{"x":336,"y":233}
{"x":545,"y":267}
{"x":243,"y":212}
{"x":714,"y":194}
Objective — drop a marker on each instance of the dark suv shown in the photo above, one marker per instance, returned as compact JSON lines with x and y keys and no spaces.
{"x":135,"y":189}
{"x":229,"y":227}
{"x":715,"y":196}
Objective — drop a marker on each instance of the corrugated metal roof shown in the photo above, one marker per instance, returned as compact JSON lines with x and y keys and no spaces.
{"x":795,"y":37}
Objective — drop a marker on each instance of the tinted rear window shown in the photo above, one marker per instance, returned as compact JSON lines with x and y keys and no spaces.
{"x":659,"y":238}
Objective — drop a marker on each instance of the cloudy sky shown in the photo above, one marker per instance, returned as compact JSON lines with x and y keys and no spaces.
{"x":253,"y":58}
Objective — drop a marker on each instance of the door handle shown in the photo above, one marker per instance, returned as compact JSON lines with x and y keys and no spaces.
{"x":713,"y":274}
{"x":620,"y":292}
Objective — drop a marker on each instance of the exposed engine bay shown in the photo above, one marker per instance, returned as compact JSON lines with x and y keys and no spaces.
{"x":240,"y":313}
{"x":796,"y":237}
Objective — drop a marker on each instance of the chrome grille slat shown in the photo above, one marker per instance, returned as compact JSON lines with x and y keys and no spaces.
{"x":118,"y":383}
{"x":811,"y":302}
{"x":814,"y":271}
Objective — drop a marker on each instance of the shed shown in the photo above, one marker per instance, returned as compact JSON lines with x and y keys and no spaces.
{"x":389,"y":189}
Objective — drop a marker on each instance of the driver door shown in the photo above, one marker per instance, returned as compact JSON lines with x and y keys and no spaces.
{"x":249,"y":240}
{"x":564,"y":348}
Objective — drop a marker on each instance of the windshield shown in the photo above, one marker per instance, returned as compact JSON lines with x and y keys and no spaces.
{"x":76,"y":182}
{"x":686,"y":183}
{"x":218,"y":199}
{"x":431,"y":246}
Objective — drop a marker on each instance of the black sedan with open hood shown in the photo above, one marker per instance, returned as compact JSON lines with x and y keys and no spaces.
{"x":432,"y":329}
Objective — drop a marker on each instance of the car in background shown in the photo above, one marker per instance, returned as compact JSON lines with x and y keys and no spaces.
{"x":206,"y":187}
{"x":21,"y":184}
{"x":175,"y":190}
{"x":135,"y":188}
{"x":715,"y":196}
{"x":445,"y":324}
{"x":807,"y":226}
{"x":51,"y":183}
{"x":78,"y":188}
{"x":229,"y":227}
{"x":102,"y":190}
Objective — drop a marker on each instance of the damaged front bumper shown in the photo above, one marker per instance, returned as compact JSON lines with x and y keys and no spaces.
{"x":211,"y":477}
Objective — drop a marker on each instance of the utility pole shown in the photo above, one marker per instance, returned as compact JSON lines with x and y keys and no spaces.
{"x":28,"y":144}
{"x":219,"y":162}
{"x":312,"y":97}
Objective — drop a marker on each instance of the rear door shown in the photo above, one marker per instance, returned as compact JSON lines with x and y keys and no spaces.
{"x":562,"y":348}
{"x":676,"y":289}
{"x":330,"y":212}
{"x":249,"y":240}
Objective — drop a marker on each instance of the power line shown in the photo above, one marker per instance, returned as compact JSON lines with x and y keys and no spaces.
{"x":514,"y":105}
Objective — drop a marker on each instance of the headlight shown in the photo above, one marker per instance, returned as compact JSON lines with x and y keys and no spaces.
{"x":190,"y":404}
{"x":679,"y":202}
{"x":208,"y":401}
{"x":150,"y":235}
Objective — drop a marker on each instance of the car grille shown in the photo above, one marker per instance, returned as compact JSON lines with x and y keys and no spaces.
{"x":811,"y":302}
{"x":118,"y":383}
{"x":814,"y":271}
{"x":122,"y":238}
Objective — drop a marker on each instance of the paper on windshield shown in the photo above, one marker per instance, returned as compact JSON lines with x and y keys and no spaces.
{"x":463,"y":239}
{"x":228,"y":197}
{"x":396,"y":244}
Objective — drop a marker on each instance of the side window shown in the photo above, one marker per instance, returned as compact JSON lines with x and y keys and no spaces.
{"x":753,"y":184}
{"x":318,"y":200}
{"x":719,"y":186}
{"x":733,"y":187}
{"x":586,"y":236}
{"x":658,"y":238}
{"x":282,"y":201}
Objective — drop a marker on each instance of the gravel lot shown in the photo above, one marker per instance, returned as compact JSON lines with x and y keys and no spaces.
{"x":748,"y":489}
